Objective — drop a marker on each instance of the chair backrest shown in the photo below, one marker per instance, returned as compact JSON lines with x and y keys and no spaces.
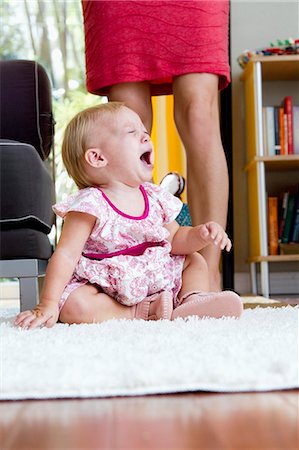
{"x":26,"y":105}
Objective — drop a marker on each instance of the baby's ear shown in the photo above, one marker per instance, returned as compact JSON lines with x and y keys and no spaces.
{"x":95,"y":158}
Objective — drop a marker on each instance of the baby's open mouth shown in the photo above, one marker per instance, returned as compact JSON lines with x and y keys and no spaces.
{"x":146,"y":158}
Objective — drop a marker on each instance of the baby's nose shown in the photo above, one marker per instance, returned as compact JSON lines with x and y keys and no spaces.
{"x":145,"y":137}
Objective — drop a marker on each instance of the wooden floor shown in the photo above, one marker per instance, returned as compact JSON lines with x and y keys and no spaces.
{"x":251,"y":421}
{"x":242,"y":421}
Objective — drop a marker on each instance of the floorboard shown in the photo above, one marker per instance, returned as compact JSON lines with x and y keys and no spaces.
{"x":255,"y":421}
{"x":199,"y":421}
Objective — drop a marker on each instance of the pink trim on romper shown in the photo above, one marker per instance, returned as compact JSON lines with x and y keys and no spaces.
{"x":135,"y":250}
{"x":145,"y":212}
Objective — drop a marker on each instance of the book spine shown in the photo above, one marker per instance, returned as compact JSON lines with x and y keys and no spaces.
{"x":288,"y":108}
{"x":296,"y":129}
{"x":272,"y":225}
{"x":295,"y":226}
{"x":281,"y":130}
{"x":285,"y":121}
{"x":270,"y":130}
{"x":283,"y":213}
{"x":265,"y":140}
{"x":289,"y":220}
{"x":276,"y":131}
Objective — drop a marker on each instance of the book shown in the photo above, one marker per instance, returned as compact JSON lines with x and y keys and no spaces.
{"x":277,"y":146}
{"x":273,"y":225}
{"x":289,"y":249}
{"x":285,"y":237}
{"x":283,"y":213}
{"x":296,"y":129}
{"x":270,"y":130}
{"x":288,"y":109}
{"x":265,"y":140}
{"x":294,"y":232}
{"x":285,"y":134}
{"x":281,"y":130}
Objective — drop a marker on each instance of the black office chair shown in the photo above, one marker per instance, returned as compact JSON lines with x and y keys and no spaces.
{"x":26,"y":182}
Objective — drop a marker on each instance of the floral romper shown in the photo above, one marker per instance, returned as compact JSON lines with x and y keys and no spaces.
{"x":128,"y":257}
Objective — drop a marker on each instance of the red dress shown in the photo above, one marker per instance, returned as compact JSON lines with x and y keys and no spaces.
{"x":145,"y":40}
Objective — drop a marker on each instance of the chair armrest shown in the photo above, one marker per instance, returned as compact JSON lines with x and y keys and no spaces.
{"x":26,"y":189}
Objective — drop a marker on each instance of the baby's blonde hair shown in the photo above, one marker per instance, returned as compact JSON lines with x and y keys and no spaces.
{"x":75,"y":141}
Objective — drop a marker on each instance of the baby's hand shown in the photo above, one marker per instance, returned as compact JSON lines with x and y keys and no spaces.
{"x":41,"y":315}
{"x":212,"y":232}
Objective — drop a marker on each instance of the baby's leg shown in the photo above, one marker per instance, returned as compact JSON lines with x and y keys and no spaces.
{"x":87,"y":304}
{"x":194,"y":298}
{"x":195,"y":275}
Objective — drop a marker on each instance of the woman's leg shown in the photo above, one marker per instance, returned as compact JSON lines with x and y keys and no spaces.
{"x":136,"y":96}
{"x":197,"y":119}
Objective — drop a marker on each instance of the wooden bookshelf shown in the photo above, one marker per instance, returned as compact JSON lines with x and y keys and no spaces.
{"x":275,"y":68}
{"x":278,"y":162}
{"x":274,"y":258}
{"x":258,"y":70}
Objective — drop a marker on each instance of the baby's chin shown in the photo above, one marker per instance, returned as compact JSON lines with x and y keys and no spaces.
{"x":149,"y":177}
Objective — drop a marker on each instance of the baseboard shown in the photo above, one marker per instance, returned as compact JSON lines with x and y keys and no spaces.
{"x":9,"y":290}
{"x":280,"y":283}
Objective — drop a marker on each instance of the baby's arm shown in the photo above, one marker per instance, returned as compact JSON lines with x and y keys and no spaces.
{"x":76,"y":230}
{"x":186,"y":240}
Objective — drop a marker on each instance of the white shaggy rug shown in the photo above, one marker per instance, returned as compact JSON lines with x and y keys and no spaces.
{"x":119,"y":357}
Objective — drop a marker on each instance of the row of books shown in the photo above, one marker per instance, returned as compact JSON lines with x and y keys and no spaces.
{"x":281,"y":128}
{"x":283,"y":222}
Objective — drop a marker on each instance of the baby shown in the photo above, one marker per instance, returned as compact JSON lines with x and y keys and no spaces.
{"x":121,"y":253}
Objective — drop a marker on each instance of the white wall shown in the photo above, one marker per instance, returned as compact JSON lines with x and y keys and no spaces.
{"x":254,"y":25}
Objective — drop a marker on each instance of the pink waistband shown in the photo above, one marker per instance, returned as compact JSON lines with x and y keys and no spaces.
{"x":136,"y":250}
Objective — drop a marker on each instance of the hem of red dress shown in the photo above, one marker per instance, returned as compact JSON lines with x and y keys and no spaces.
{"x":157,"y":86}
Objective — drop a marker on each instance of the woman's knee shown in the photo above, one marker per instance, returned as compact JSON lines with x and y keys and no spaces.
{"x":199,"y":114}
{"x":136,"y":96}
{"x":196,"y":110}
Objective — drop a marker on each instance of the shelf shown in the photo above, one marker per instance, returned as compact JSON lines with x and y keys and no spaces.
{"x":263,"y":171}
{"x":274,"y":258}
{"x":279,"y":162}
{"x":274,"y":68}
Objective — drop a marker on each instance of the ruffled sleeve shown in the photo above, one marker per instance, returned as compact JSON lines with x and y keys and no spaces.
{"x":87,"y":200}
{"x":168,"y":203}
